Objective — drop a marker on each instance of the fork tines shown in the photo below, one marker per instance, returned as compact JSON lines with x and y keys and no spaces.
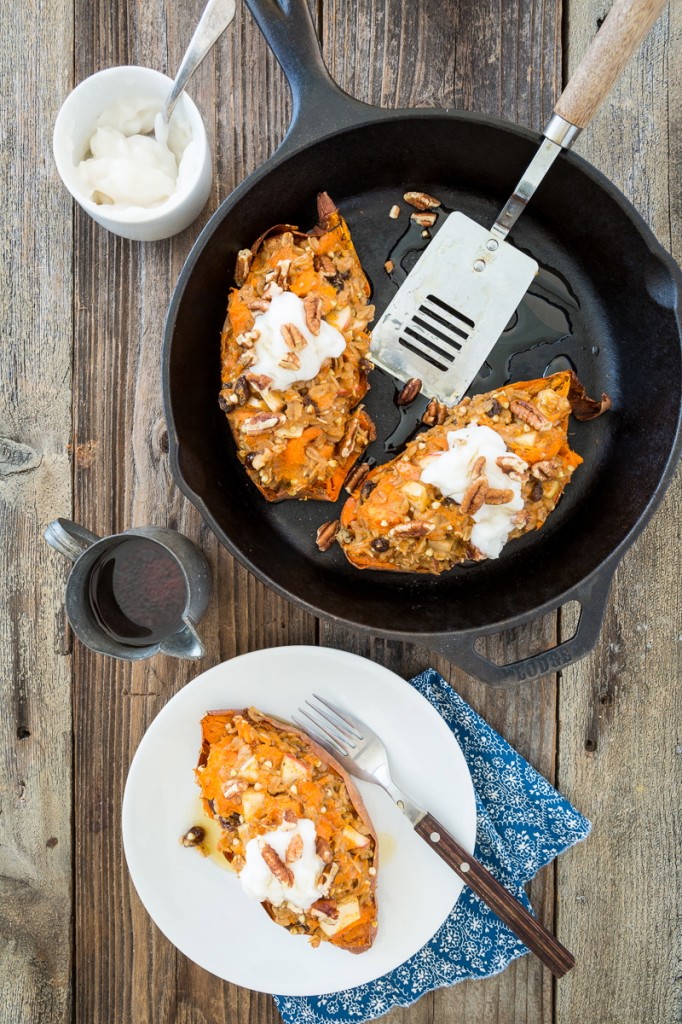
{"x":328,"y":723}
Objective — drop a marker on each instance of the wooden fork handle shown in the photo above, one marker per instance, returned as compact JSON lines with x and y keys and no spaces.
{"x":526,"y":927}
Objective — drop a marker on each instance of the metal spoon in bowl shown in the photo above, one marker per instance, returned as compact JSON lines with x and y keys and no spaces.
{"x":216,"y":17}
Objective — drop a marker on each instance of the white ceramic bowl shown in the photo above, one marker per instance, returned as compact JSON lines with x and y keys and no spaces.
{"x":75,"y":126}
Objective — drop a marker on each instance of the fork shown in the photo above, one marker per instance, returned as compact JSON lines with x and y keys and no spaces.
{"x":362,"y":753}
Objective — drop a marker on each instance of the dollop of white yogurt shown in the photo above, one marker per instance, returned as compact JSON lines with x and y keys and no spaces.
{"x":451,"y":473}
{"x":125,"y":167}
{"x":270,"y":348}
{"x":259,"y":882}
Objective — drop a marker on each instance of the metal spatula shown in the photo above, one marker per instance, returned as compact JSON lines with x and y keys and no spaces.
{"x":456,"y":302}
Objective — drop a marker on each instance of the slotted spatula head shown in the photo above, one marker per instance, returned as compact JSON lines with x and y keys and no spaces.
{"x":452,"y":308}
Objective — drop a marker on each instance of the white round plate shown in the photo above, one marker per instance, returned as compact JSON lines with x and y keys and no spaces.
{"x":200,"y":906}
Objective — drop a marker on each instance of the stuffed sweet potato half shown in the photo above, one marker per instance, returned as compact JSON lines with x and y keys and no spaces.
{"x":490,"y":469}
{"x":294,"y":359}
{"x":294,"y":827}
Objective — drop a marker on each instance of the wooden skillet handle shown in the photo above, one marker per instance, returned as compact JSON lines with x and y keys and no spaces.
{"x":627,"y":25}
{"x":526,"y":927}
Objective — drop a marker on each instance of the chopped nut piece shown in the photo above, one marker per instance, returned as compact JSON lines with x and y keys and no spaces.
{"x":394,"y":212}
{"x":325,"y":908}
{"x":478,"y":466}
{"x":421,"y":200}
{"x":324,"y":265}
{"x":277,"y":866}
{"x":258,"y":305}
{"x":294,"y":849}
{"x":435,"y":413}
{"x":326,"y":534}
{"x":259,"y":381}
{"x":243,"y":265}
{"x":234,"y":787}
{"x":512,"y":465}
{"x":263,"y":421}
{"x":389,"y":266}
{"x":323,"y":849}
{"x":424,"y":220}
{"x":474,"y":496}
{"x":527,"y":412}
{"x":409,"y":391}
{"x":313,"y":313}
{"x":290,"y":362}
{"x":550,"y":469}
{"x":413,"y":529}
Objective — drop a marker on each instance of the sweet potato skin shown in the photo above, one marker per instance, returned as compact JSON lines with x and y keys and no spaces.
{"x":359,"y":936}
{"x":319,"y":429}
{"x":382,"y":503}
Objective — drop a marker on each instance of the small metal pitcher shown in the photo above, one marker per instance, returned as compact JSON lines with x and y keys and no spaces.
{"x":85,"y":549}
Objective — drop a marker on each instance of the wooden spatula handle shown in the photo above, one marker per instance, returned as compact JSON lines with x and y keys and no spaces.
{"x":500,"y":900}
{"x":627,"y":25}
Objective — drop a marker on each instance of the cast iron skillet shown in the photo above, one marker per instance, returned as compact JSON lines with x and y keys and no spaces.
{"x":624,"y":339}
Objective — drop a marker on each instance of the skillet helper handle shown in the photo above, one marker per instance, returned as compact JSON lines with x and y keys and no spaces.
{"x":625,"y":28}
{"x":592,"y":596}
{"x":526,"y":927}
{"x":317,"y":101}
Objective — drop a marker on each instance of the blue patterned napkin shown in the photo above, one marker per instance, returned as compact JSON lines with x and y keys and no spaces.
{"x":522,"y":824}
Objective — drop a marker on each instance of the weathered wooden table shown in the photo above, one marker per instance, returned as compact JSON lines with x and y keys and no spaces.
{"x":82,"y":435}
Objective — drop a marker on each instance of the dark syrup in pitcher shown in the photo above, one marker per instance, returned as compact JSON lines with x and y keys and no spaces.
{"x":138,"y":592}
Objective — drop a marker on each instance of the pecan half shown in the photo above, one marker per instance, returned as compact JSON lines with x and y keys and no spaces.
{"x":414,"y":529}
{"x":513,"y":466}
{"x":474,"y":496}
{"x":549,"y":469}
{"x":435,"y":413}
{"x":326,"y":534}
{"x":425,"y":220}
{"x":421,"y":200}
{"x":290,"y":362}
{"x":356,"y":476}
{"x":323,"y":850}
{"x":348,"y":440}
{"x":478,"y":466}
{"x":242,"y":267}
{"x":312,"y":305}
{"x":294,"y":849}
{"x":527,"y":412}
{"x":263,"y":421}
{"x":408,"y":394}
{"x":294,"y":339}
{"x":325,"y":908}
{"x":277,"y":866}
{"x":497,"y":496}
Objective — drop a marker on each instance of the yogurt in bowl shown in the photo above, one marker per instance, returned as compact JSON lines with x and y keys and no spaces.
{"x":134,"y":174}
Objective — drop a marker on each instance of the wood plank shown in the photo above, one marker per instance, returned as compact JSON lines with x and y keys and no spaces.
{"x":619,"y":757}
{"x":35,"y":487}
{"x":122,"y":479}
{"x":503,"y":60}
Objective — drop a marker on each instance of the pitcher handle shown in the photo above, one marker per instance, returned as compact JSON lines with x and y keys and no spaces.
{"x":68,"y":538}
